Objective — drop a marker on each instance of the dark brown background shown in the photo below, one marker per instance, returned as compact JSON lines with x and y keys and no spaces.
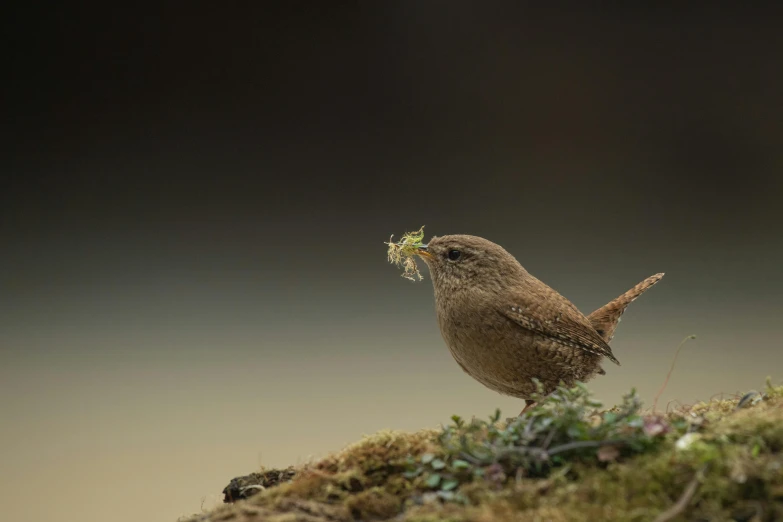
{"x":193,"y":276}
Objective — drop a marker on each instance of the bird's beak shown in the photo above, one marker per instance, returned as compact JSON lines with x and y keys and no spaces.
{"x":423,"y":252}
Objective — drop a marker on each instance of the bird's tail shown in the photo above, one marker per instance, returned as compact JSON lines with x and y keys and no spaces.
{"x":606,"y":318}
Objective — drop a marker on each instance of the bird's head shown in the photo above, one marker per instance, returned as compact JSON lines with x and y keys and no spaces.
{"x":461,"y":262}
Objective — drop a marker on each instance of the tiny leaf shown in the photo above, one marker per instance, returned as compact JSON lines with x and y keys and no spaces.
{"x":413,"y":473}
{"x":449,"y":484}
{"x":438,"y":464}
{"x":446,"y":495}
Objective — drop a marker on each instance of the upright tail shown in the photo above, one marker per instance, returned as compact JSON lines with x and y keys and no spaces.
{"x":606,"y":318}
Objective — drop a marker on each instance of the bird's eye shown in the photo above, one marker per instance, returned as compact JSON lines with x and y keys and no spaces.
{"x":454,"y":254}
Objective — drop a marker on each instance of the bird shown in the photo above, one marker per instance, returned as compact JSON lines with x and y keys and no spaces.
{"x":507,"y":329}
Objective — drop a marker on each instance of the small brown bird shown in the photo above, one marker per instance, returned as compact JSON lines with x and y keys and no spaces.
{"x":504,"y":327}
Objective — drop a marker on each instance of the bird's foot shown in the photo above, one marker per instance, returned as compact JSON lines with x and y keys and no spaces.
{"x":529,"y":403}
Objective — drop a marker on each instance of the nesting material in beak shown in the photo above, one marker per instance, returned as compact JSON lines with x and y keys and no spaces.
{"x":404,"y":252}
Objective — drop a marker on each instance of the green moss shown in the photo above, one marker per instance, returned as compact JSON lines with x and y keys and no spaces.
{"x":374,"y":504}
{"x":404,"y":253}
{"x":723,"y":459}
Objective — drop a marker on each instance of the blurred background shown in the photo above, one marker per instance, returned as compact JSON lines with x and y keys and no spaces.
{"x":195,"y":200}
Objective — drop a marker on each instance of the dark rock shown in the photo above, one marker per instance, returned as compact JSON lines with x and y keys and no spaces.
{"x":244,"y":487}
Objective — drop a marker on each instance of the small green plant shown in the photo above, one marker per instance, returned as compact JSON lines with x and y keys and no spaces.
{"x":404,"y":253}
{"x":564,"y":428}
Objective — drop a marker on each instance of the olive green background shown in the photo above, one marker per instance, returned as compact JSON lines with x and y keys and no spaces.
{"x":193,"y":273}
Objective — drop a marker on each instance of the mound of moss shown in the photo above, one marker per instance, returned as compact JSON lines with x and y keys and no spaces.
{"x":565,"y":460}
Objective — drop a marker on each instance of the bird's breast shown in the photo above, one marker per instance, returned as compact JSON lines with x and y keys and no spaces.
{"x":479,"y":339}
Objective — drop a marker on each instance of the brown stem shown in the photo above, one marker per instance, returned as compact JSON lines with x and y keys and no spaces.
{"x":668,"y":375}
{"x":683,"y":501}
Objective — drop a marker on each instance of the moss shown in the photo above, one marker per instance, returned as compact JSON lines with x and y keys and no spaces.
{"x":374,"y":504}
{"x":404,"y":253}
{"x":721,"y":460}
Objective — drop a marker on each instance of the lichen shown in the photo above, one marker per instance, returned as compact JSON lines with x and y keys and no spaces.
{"x":716,"y":460}
{"x":404,"y":253}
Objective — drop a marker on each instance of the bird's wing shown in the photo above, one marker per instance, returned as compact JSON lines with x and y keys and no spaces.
{"x":560,"y":321}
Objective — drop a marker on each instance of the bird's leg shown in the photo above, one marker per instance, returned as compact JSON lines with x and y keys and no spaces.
{"x":528,"y":403}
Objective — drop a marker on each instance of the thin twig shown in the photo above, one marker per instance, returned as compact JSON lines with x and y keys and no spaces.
{"x":684,"y":500}
{"x":668,"y":375}
{"x":500,"y":454}
{"x":470,"y":458}
{"x":675,"y":401}
{"x":549,"y":437}
{"x":585,"y":444}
